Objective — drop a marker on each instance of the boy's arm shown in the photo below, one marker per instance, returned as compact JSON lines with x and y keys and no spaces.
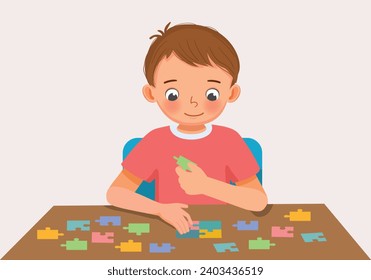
{"x":122,"y":194}
{"x":247,"y":194}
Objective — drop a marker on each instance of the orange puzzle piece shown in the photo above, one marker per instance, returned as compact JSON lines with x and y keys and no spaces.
{"x":130,"y":246}
{"x":299,"y":216}
{"x":48,"y":233}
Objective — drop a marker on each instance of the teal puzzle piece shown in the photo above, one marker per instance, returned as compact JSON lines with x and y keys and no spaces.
{"x":138,"y":228}
{"x":224,"y":247}
{"x":189,"y":234}
{"x":314,"y":236}
{"x":210,"y":225}
{"x":76,"y":245}
{"x":83,"y":225}
{"x":260,"y":244}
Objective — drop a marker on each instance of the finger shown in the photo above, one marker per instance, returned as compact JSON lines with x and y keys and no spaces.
{"x":183,"y":224}
{"x":188,"y":218}
{"x":192,"y":166}
{"x":181,"y":205}
{"x":179,"y":170}
{"x":178,"y":227}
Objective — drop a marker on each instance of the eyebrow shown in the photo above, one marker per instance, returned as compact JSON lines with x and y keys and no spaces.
{"x":214,"y":81}
{"x":169,"y":81}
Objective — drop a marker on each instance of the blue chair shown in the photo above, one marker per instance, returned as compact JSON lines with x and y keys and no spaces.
{"x":148,"y":188}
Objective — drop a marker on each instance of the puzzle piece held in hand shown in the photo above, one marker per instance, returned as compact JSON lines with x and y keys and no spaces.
{"x":282,"y":231}
{"x":224,"y":247}
{"x":189,"y":234}
{"x":107,"y":220}
{"x":83,"y":225}
{"x":130,"y":247}
{"x":164,"y":248}
{"x":216,"y":233}
{"x":242,"y":225}
{"x":195,"y":226}
{"x":314,"y":236}
{"x":76,"y":245}
{"x":210,"y":225}
{"x":299,"y":216}
{"x":138,"y":228}
{"x":107,"y":237}
{"x":48,"y":234}
{"x":260,"y":244}
{"x":183,"y":162}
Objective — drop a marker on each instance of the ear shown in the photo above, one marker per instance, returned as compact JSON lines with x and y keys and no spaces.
{"x":147,"y":93}
{"x":235,"y":93}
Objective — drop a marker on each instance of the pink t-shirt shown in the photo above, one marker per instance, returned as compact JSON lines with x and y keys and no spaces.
{"x":219,"y":151}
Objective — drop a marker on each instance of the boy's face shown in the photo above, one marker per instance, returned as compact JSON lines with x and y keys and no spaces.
{"x":190,"y":95}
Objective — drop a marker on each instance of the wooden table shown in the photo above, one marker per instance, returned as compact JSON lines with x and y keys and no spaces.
{"x":339,"y":244}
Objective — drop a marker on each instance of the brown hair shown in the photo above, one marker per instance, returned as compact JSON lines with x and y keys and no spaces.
{"x":193,"y":44}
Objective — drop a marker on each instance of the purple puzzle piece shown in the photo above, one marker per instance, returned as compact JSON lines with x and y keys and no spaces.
{"x":242,"y":225}
{"x":165,"y":248}
{"x":106,"y":220}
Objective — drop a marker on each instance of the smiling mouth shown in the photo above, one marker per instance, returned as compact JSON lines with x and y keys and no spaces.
{"x":189,"y":115}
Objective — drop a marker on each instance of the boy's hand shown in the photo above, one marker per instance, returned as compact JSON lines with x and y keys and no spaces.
{"x":192,"y":182}
{"x":174,"y":215}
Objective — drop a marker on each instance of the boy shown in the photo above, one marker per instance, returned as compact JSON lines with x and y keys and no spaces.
{"x":191,"y":72}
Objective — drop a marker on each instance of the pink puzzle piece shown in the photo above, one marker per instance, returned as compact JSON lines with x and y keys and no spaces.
{"x":97,"y":237}
{"x":196,"y":225}
{"x":283,"y":232}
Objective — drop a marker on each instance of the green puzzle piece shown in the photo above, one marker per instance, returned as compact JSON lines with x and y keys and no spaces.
{"x":76,"y":245}
{"x":260,"y":244}
{"x":138,"y":228}
{"x":183,"y":162}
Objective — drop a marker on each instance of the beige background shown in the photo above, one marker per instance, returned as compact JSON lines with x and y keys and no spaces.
{"x":70,"y":88}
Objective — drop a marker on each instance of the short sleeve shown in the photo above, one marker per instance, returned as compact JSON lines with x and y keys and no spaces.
{"x":241,"y":163}
{"x":141,"y":161}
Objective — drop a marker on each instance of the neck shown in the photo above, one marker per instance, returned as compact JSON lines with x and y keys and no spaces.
{"x":191,"y":129}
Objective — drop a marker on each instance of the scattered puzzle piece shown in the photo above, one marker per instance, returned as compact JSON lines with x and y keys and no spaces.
{"x":314,"y":236}
{"x":97,"y":237}
{"x":189,"y":234}
{"x":183,"y":162}
{"x":299,"y":216}
{"x":165,"y":248}
{"x":138,"y":228}
{"x":83,"y":225}
{"x":48,"y":233}
{"x":224,"y":247}
{"x":210,"y":225}
{"x":216,"y":233}
{"x":130,"y":247}
{"x":260,"y":244}
{"x":106,"y":220}
{"x":242,"y":225}
{"x":282,"y":231}
{"x":76,"y":245}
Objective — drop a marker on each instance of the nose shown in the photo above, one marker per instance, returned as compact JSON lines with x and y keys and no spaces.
{"x":195,"y":103}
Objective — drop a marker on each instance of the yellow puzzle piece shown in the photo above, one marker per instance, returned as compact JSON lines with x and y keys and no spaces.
{"x":130,"y":246}
{"x":299,"y":216}
{"x":48,"y":233}
{"x":216,"y":233}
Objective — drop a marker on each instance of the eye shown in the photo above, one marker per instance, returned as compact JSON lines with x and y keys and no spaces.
{"x":212,"y":94}
{"x":172,"y":94}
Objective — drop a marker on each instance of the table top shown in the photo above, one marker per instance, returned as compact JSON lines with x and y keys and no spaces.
{"x":337,"y":242}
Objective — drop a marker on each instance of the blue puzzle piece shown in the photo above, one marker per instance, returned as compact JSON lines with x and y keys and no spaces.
{"x":165,"y":248}
{"x":83,"y":225}
{"x":106,"y":220}
{"x":242,"y":225}
{"x":224,"y":247}
{"x":189,"y":234}
{"x":210,"y":225}
{"x":314,"y":236}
